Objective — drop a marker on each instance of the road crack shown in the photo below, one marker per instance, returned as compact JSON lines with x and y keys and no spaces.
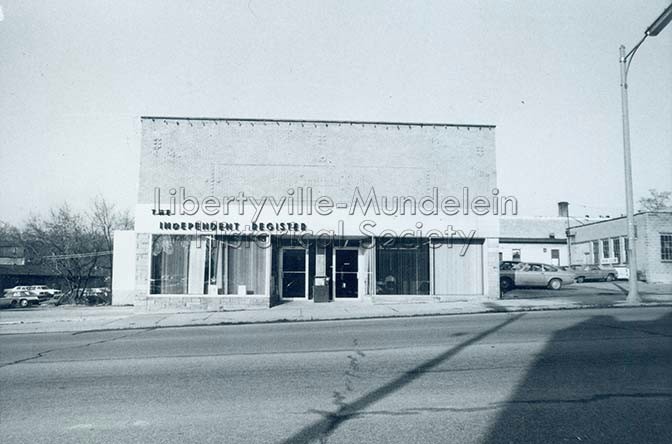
{"x":72,"y":347}
{"x":492,"y":406}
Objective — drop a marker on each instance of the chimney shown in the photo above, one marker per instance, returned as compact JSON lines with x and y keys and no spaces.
{"x":563,"y":209}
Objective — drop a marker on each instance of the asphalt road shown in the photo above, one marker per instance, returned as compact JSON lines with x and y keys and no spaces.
{"x":542,"y":377}
{"x":590,"y":292}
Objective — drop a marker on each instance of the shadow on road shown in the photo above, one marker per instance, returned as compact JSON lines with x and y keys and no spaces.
{"x":595,"y":382}
{"x":321,"y":429}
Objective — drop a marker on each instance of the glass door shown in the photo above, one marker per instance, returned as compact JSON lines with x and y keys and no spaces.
{"x":345,"y":273}
{"x":293,"y":266}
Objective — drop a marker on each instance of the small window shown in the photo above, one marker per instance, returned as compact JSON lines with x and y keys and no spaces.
{"x":516,"y":255}
{"x":666,"y":246}
{"x":617,"y":249}
{"x":606,"y":254}
{"x":596,"y":252}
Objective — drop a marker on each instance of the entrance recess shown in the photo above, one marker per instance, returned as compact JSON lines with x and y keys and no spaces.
{"x":345,"y":273}
{"x":293,"y":277}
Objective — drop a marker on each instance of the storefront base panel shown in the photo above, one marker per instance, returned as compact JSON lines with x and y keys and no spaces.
{"x":425,"y":299}
{"x":196,"y":303}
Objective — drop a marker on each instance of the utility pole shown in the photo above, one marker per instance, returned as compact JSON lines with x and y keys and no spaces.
{"x":625,"y":60}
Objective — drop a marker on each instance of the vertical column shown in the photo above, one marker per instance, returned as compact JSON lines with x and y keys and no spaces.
{"x":491,"y":268}
{"x":196,"y":266}
{"x":321,"y":285}
{"x":220,"y":265}
{"x":142,"y":270}
{"x":268,"y":260}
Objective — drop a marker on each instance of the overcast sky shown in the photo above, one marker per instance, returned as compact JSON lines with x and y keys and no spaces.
{"x":76,"y":75}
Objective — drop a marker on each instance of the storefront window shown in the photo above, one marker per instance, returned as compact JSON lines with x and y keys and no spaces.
{"x":246,"y":267}
{"x":214,"y":265}
{"x":170,"y":265}
{"x":402,"y":267}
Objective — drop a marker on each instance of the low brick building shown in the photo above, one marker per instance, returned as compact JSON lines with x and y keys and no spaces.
{"x":606,"y":242}
{"x":430,"y":233}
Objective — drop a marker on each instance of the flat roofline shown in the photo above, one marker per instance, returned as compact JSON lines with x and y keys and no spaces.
{"x":350,"y":122}
{"x":609,"y":219}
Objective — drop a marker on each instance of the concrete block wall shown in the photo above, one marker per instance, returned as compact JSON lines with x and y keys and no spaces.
{"x":157,"y":303}
{"x":649,"y":226}
{"x":648,"y":247}
{"x":264,"y":158}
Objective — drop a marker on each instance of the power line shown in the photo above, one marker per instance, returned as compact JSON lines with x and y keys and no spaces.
{"x":78,"y":255}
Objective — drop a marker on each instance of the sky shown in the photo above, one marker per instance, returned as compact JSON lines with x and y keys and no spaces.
{"x":76,"y":75}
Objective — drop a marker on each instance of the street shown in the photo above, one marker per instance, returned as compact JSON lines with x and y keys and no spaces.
{"x":601,"y":375}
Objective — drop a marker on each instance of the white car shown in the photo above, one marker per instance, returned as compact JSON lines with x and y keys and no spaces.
{"x":17,"y":288}
{"x":622,"y":272}
{"x":43,"y":292}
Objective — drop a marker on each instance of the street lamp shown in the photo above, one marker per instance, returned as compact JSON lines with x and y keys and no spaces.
{"x":625,"y":61}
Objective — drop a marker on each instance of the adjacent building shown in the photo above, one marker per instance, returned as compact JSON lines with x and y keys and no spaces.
{"x":247,"y":212}
{"x":18,"y":268}
{"x":605,"y":242}
{"x":535,"y":239}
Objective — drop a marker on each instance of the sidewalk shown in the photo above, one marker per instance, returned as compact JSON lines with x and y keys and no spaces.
{"x":49,"y":319}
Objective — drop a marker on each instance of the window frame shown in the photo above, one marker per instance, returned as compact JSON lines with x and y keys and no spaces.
{"x":665,"y":250}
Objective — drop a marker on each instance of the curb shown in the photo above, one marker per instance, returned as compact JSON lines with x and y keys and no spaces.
{"x":351,"y":318}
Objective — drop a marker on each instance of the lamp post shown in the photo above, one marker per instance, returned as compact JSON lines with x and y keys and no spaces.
{"x":625,"y":61}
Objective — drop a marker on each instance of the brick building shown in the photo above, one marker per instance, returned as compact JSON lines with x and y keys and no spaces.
{"x":606,"y":242}
{"x":241,"y":212}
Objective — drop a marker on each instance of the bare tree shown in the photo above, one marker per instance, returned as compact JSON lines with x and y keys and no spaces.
{"x":77,"y":246}
{"x":657,"y":201}
{"x":65,"y":242}
{"x":106,"y":219}
{"x":9,"y":233}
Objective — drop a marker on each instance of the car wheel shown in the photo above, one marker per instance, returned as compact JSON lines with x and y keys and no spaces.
{"x":580,"y":279}
{"x":23,"y":303}
{"x":610,"y":277}
{"x":506,"y":284}
{"x":13,"y":304}
{"x":555,"y":284}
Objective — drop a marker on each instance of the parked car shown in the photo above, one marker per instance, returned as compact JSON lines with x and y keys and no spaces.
{"x":594,"y":273}
{"x":42,"y":291}
{"x":98,"y":296}
{"x":20,"y":298}
{"x":622,"y":272}
{"x":17,"y":288}
{"x":526,"y":274}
